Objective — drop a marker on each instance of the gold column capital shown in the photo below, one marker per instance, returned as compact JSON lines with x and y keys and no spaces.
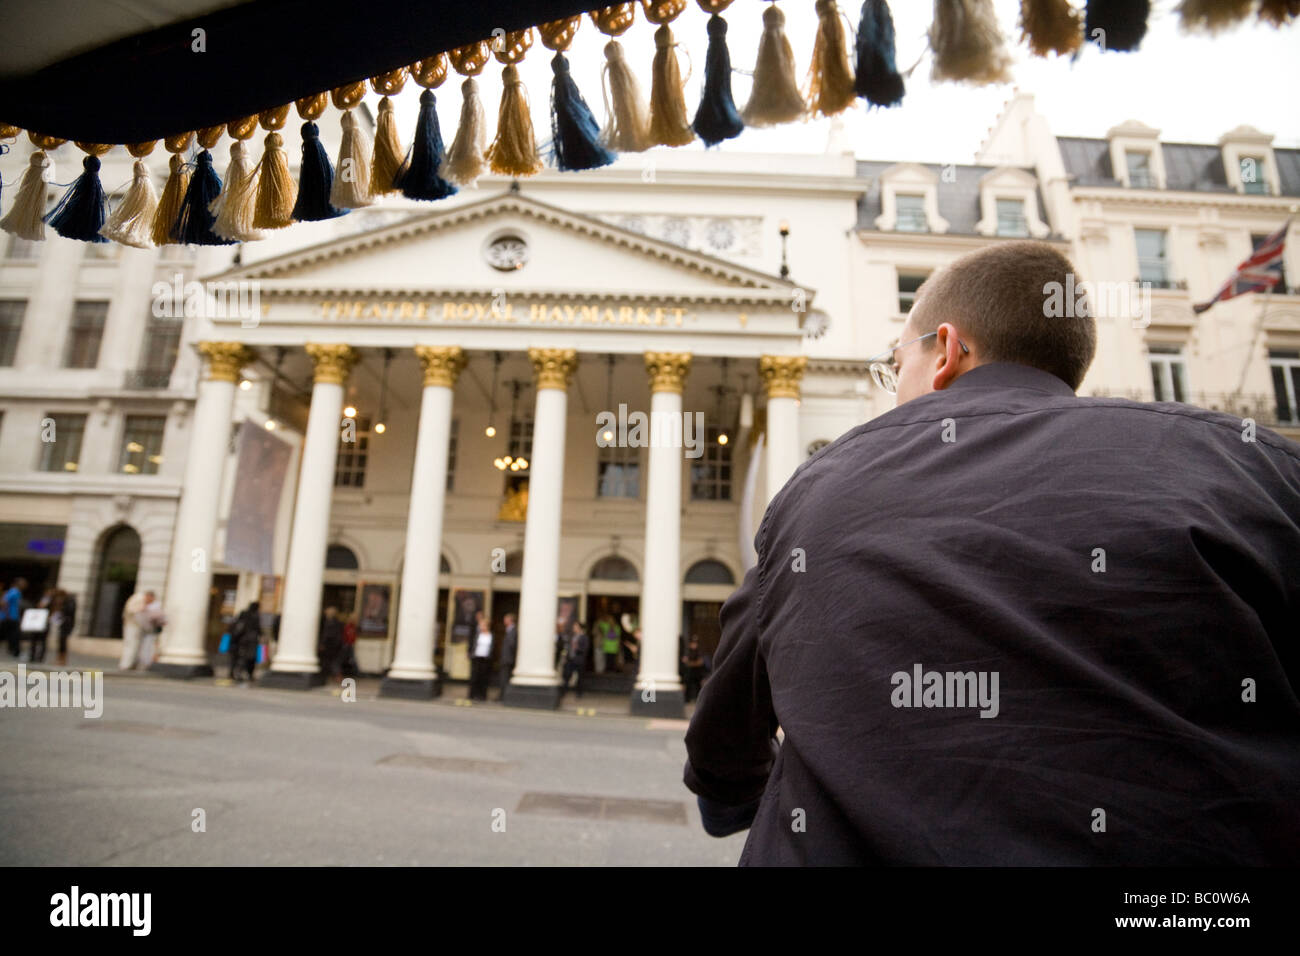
{"x":442,"y":364}
{"x":781,"y":374}
{"x":225,"y":359}
{"x":553,"y":368}
{"x":667,"y":370}
{"x":333,"y":362}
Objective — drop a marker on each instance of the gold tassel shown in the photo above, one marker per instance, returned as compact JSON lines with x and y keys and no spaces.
{"x":388,"y":155}
{"x":967,"y":43}
{"x":26,"y":218}
{"x":1278,"y":13}
{"x":1050,"y":26}
{"x":465,"y":163}
{"x":131,"y":223}
{"x":235,"y":207}
{"x":628,"y":127}
{"x":173,"y":194}
{"x":1211,"y":16}
{"x":830,"y":78}
{"x":351,"y":188}
{"x":514,"y":151}
{"x":774,"y":97}
{"x":669,"y":123}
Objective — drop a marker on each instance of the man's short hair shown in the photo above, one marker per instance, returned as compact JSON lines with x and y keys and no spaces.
{"x":998,"y":297}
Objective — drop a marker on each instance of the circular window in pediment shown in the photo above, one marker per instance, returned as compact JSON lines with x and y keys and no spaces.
{"x":507,"y":253}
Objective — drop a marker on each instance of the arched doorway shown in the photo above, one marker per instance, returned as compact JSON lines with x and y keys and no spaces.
{"x":118,"y":563}
{"x":708,"y":583}
{"x":613,"y":605}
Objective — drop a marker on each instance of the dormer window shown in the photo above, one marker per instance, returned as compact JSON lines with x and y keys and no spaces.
{"x":1011,"y":218}
{"x":1254,"y":179}
{"x":1139,"y":169}
{"x":911,"y":213}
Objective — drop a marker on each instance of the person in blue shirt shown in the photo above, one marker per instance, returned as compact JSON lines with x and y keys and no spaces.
{"x":12,"y":612}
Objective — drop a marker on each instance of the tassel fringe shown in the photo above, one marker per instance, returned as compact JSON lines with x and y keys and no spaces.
{"x":1050,"y":26}
{"x":830,"y":78}
{"x":877,"y":76}
{"x":514,"y":151}
{"x":195,"y":221}
{"x":26,"y":218}
{"x":169,"y":205}
{"x":351,"y":187}
{"x":465,"y":162}
{"x":419,"y":176}
{"x":276,"y":192}
{"x":387,"y":158}
{"x":82,"y":211}
{"x":628,"y":129}
{"x":131,"y":223}
{"x":967,"y":43}
{"x":234,"y":207}
{"x":668,"y":123}
{"x":774,"y":97}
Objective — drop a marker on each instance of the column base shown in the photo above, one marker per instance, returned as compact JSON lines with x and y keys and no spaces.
{"x":536,"y":696}
{"x":181,"y":671}
{"x":666,"y":703}
{"x":409,"y":688}
{"x":292,"y":680}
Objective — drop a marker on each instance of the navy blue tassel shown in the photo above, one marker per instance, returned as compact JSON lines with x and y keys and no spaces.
{"x":717,"y":119}
{"x":81,"y":212}
{"x":418,"y":176}
{"x":1123,"y":23}
{"x":877,"y":76}
{"x":315,"y":179}
{"x":575,"y":134}
{"x":193,"y":224}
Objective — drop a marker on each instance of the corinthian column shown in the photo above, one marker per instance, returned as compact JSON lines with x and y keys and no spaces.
{"x":535,"y":682}
{"x":189,"y":577}
{"x":295,"y":664}
{"x":658,"y":689}
{"x":412,"y":673}
{"x":781,"y":375}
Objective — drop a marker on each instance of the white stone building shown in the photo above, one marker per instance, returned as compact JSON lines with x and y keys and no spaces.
{"x":663,"y":284}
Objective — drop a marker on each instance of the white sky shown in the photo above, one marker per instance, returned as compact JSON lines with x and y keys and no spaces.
{"x":1191,"y":87}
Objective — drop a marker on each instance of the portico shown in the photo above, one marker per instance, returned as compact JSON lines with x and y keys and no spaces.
{"x":441,"y":360}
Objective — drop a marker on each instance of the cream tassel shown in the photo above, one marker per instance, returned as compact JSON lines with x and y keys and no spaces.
{"x":775,"y":96}
{"x":669,"y":125}
{"x":967,"y":43}
{"x":465,"y":163}
{"x":830,"y":78}
{"x":351,"y":189}
{"x":26,"y":216}
{"x":235,"y":207}
{"x":628,"y":127}
{"x":131,"y":223}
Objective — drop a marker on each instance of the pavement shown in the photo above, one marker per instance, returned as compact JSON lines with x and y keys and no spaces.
{"x":207,"y":772}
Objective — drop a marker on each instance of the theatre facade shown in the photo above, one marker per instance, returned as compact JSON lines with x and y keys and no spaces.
{"x":503,"y":406}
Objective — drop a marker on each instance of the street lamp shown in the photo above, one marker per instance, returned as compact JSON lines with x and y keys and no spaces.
{"x":784,"y":229}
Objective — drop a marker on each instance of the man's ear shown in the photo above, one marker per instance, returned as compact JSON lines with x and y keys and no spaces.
{"x":948,"y":356}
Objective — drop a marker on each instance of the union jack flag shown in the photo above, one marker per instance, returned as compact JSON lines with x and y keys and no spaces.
{"x":1259,"y":273}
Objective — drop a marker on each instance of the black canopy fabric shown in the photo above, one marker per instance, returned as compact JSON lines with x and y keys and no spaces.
{"x":257,"y":56}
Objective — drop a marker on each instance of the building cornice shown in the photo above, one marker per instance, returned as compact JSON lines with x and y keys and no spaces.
{"x":53,"y":483}
{"x":877,"y":237}
{"x":1236,"y":202}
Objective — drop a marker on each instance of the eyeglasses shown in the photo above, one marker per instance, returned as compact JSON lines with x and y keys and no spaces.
{"x":885,"y":374}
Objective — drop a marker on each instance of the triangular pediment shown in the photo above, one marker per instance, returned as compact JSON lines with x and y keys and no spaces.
{"x":453,"y":249}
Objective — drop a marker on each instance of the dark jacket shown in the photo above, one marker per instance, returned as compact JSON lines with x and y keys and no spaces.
{"x":1146,"y":707}
{"x":69,"y":612}
{"x":577,"y":647}
{"x":510,"y":646}
{"x":246,"y":633}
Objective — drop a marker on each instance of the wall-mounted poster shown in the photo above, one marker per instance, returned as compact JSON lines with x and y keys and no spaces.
{"x":468,"y":606}
{"x":373,"y":620}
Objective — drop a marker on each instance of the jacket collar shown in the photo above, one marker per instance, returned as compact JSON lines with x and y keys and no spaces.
{"x":1011,"y":375}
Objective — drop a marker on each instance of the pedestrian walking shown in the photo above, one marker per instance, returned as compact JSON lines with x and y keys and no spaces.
{"x":131,"y":610}
{"x":329,"y":646}
{"x":480,"y":663}
{"x":575,"y":659}
{"x":245,"y":636}
{"x":348,"y":661}
{"x":693,"y":668}
{"x":64,"y":619}
{"x":12,"y":614}
{"x":40,"y":636}
{"x":151,"y":620}
{"x":509,"y":650}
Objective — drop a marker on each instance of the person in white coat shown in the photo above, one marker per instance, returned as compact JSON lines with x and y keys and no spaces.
{"x":131,"y":629}
{"x":151,"y":622}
